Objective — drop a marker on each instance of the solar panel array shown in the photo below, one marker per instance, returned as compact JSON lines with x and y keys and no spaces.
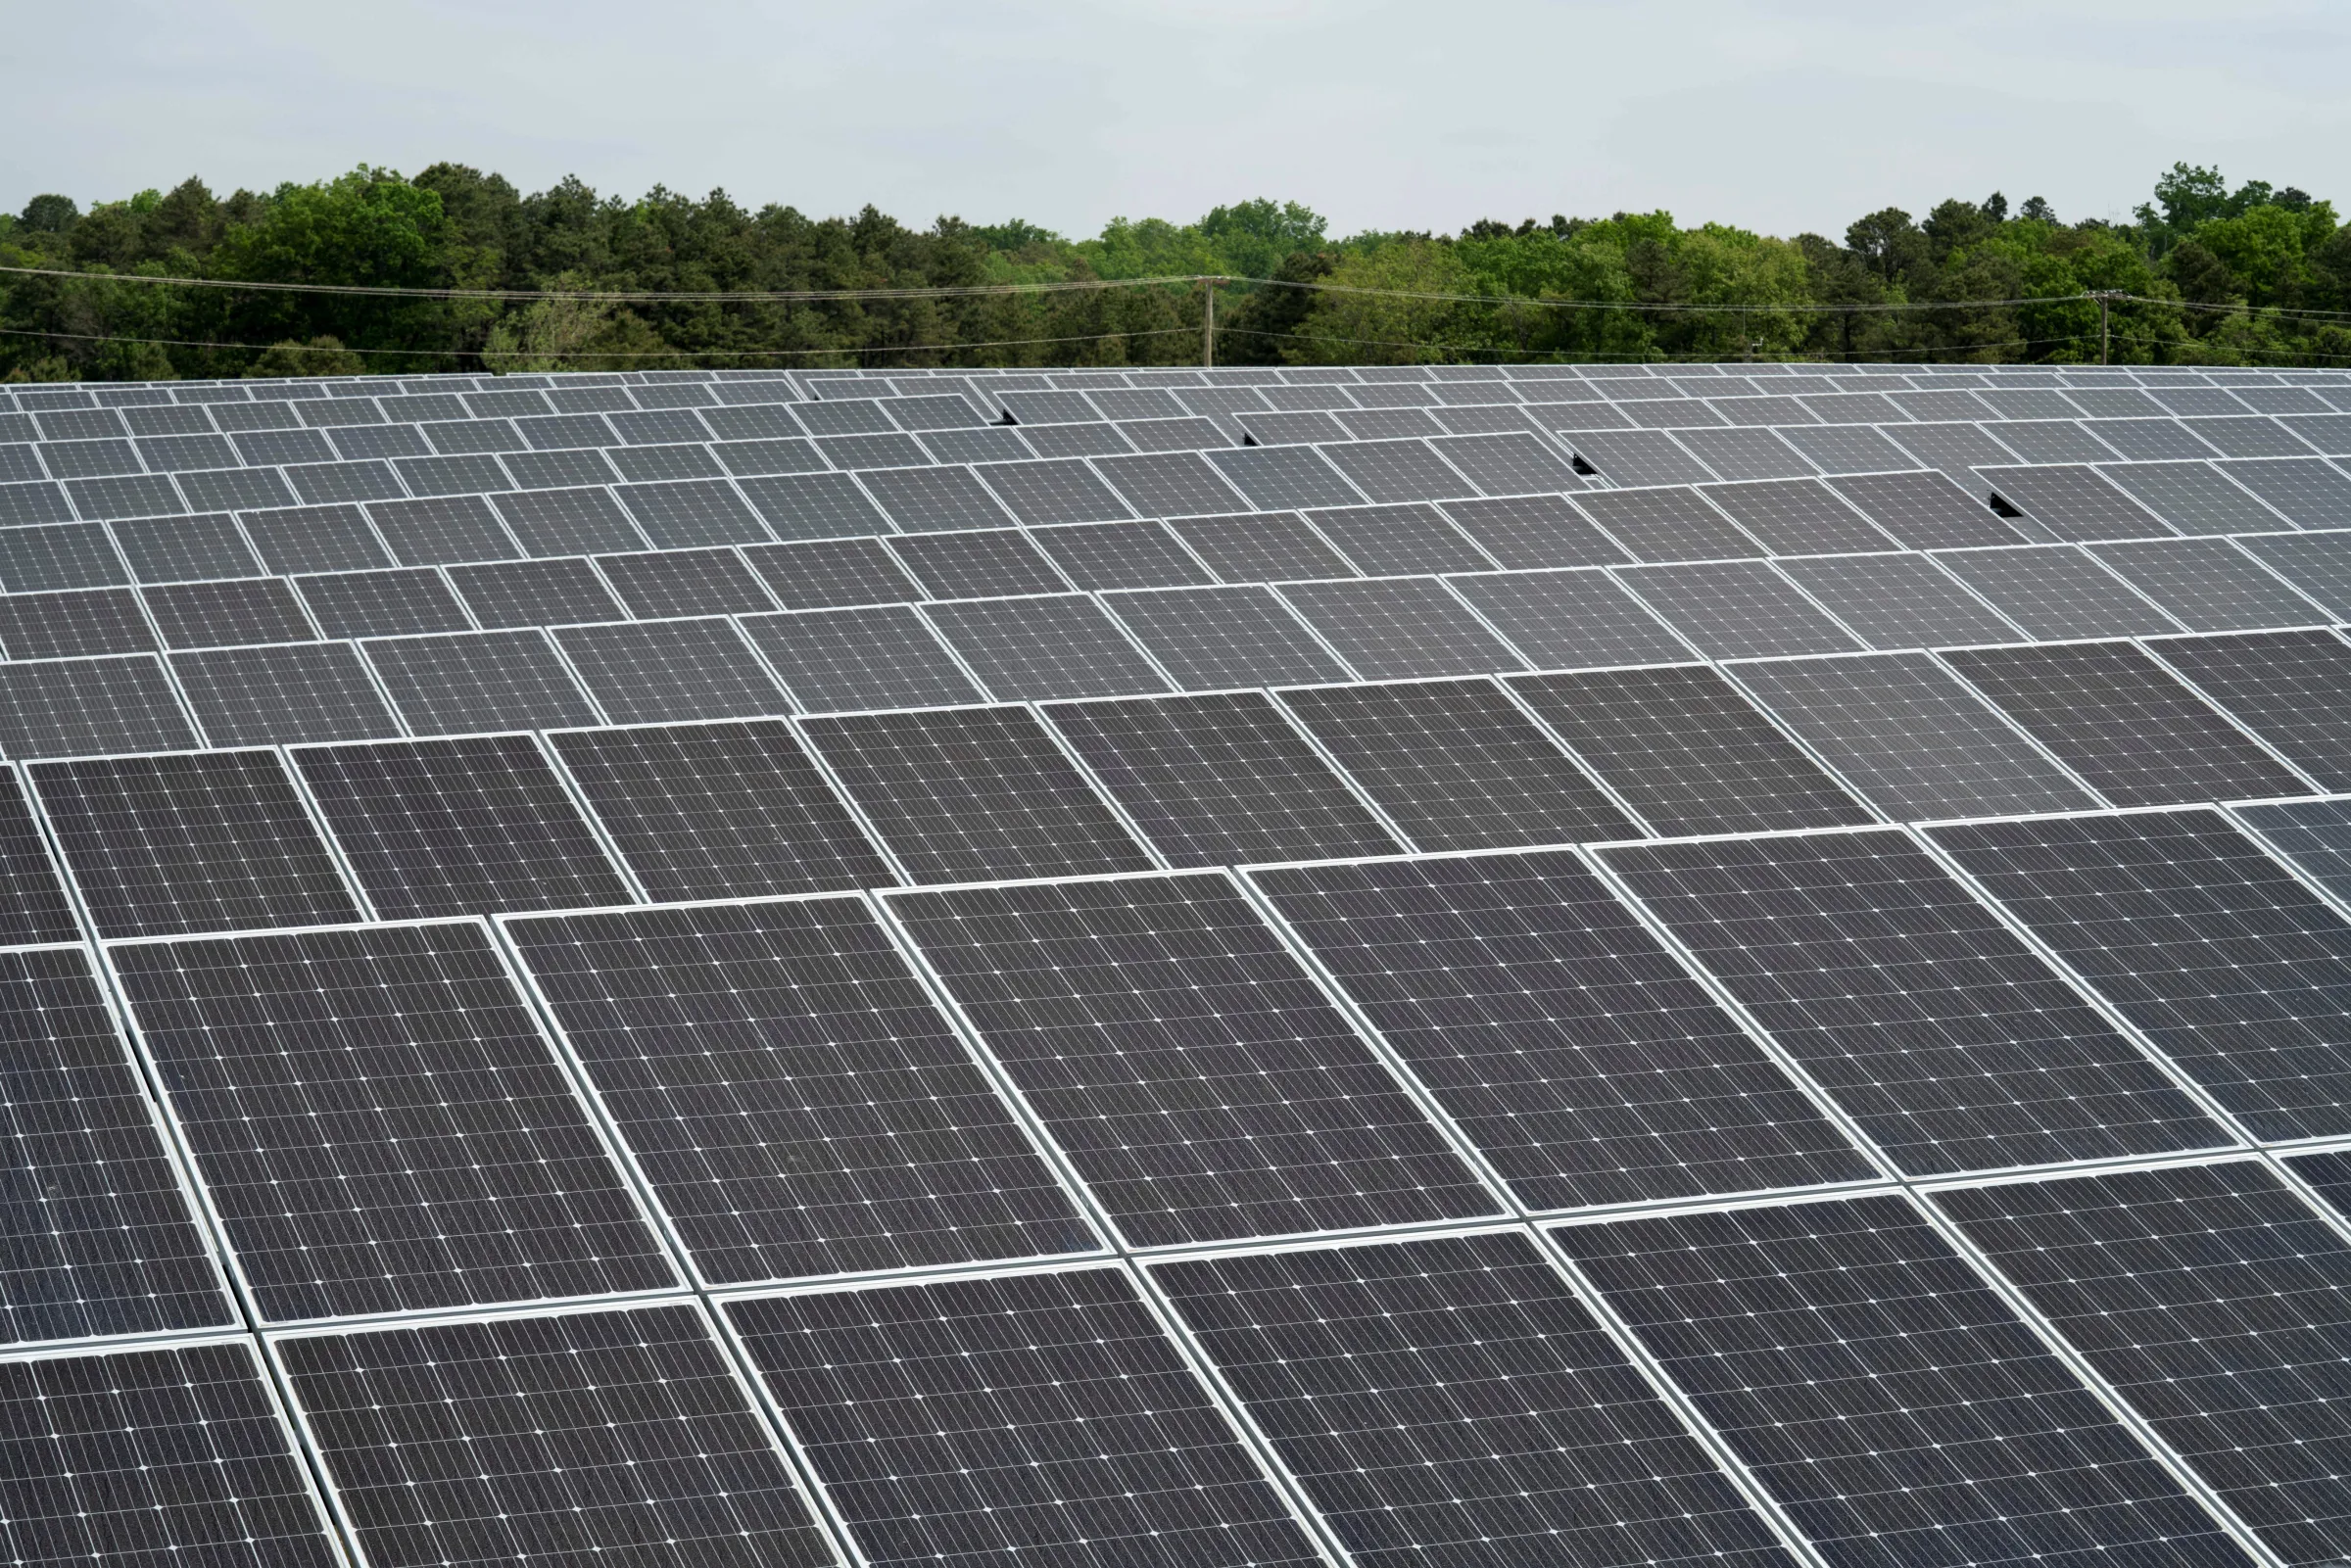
{"x":1733,"y":965}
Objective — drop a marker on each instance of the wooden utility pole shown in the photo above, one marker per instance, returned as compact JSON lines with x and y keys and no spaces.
{"x":2103,"y":296}
{"x":1208,"y":324}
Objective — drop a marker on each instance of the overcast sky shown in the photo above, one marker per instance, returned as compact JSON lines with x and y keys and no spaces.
{"x":1777,"y":115}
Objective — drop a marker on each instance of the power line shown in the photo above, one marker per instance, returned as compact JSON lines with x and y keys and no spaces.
{"x":621,"y":296}
{"x":629,"y":354}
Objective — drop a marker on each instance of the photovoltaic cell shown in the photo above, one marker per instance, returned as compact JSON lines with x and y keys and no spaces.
{"x":1042,"y":1417}
{"x":1456,"y":765}
{"x":1886,"y":1396}
{"x":797,"y":1102}
{"x":1450,"y":1401}
{"x":1583,"y":1060}
{"x":581,"y":1436}
{"x":2212,"y":1299}
{"x":478,"y":825}
{"x":965,"y":795}
{"x":1946,"y":1039}
{"x":2123,"y":723}
{"x":1219,"y":780}
{"x":105,"y":1464}
{"x":297,"y":1062}
{"x":1202,"y":1087}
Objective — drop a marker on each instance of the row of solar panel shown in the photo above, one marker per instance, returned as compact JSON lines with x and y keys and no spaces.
{"x":377,"y":1124}
{"x":1877,"y":1377}
{"x":807,"y":1108}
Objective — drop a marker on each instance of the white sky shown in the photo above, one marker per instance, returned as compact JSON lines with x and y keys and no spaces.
{"x":1777,"y":115}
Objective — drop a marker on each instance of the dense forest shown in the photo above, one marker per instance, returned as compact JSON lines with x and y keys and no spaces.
{"x":2207,"y":275}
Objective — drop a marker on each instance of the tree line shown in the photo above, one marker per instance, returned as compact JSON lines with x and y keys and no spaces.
{"x":2213,"y":276}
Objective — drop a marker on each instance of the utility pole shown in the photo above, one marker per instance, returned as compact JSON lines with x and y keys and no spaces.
{"x":2103,"y":296}
{"x":1208,"y":324}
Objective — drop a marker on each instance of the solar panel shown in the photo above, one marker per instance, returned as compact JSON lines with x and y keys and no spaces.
{"x":962,"y":794}
{"x":1388,"y":1375}
{"x":2318,"y":565}
{"x":199,"y":615}
{"x":807,"y":1111}
{"x":400,"y":601}
{"x":282,"y":694}
{"x":1287,"y":476}
{"x":1103,"y":555}
{"x":54,"y":626}
{"x":1042,"y":1416}
{"x":2115,"y":717}
{"x":1924,"y":510}
{"x":1058,"y":645}
{"x":1585,"y":1064}
{"x":2072,"y":503}
{"x":1533,"y":532}
{"x":646,"y":670}
{"x":294,"y":1060}
{"x":1680,"y":746}
{"x":1401,"y":627}
{"x":2225,"y":961}
{"x":2308,"y":490}
{"x":1798,"y":517}
{"x":1218,"y":779}
{"x":1565,"y":619}
{"x":1198,"y":1081}
{"x":80,"y":707}
{"x":2209,"y":585}
{"x":2247,"y":436}
{"x":1668,"y":525}
{"x":1737,"y":609}
{"x":1635,"y":456}
{"x":1945,"y":1039}
{"x":440,"y":1441}
{"x":814,"y":506}
{"x":859,"y":658}
{"x":1172,"y":484}
{"x":1910,"y":740}
{"x":436,"y":827}
{"x":979,"y":564}
{"x":1212,"y":637}
{"x":471,"y":681}
{"x":1888,"y":1397}
{"x":2194,"y":497}
{"x":1456,"y":765}
{"x":2196,"y":1292}
{"x":1846,"y":449}
{"x":205,"y":841}
{"x":1506,"y":461}
{"x":719,"y":811}
{"x":106,"y":1469}
{"x":1403,"y":540}
{"x":823,"y":574}
{"x":2057,"y":591}
{"x":569,"y":522}
{"x":1260,"y":548}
